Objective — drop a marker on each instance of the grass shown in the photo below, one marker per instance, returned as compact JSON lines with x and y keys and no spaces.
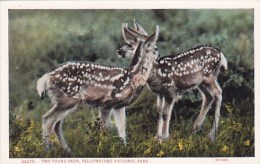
{"x":82,"y":131}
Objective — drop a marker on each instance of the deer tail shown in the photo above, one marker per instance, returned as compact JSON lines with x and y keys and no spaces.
{"x":42,"y":83}
{"x":223,"y":63}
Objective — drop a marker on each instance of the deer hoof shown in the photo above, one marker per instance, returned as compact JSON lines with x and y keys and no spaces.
{"x":69,"y":152}
{"x":212,"y":136}
{"x":159,"y":139}
{"x":196,"y":130}
{"x":123,"y":140}
{"x":166,"y":137}
{"x":48,"y":147}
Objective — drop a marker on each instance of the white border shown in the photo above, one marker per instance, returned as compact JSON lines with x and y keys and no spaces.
{"x":4,"y":99}
{"x":143,"y":4}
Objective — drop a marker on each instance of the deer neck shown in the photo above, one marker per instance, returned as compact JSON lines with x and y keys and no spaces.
{"x":140,"y":71}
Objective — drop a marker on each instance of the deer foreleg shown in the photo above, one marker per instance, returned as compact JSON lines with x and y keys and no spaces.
{"x":120,"y":119}
{"x":167,"y":111}
{"x":160,"y":105}
{"x":104,"y":115}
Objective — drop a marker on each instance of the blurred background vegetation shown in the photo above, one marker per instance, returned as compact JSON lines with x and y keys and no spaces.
{"x":39,"y":40}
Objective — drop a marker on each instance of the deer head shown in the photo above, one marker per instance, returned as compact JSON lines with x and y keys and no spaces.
{"x":144,"y":56}
{"x":132,"y":38}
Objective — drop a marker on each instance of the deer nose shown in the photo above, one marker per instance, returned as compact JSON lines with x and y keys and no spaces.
{"x":121,"y":53}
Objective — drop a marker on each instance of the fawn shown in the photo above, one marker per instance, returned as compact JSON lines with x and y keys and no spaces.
{"x":73,"y":84}
{"x":171,"y":76}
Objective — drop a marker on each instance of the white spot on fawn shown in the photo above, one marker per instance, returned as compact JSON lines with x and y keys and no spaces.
{"x":118,"y":95}
{"x":164,"y":74}
{"x":116,"y":77}
{"x":208,"y":52}
{"x":162,"y":61}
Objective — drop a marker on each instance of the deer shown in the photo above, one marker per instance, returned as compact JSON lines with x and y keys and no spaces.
{"x":173,"y":75}
{"x":74,"y":84}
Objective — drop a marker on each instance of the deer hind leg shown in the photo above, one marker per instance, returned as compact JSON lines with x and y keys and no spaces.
{"x":160,"y":105}
{"x":58,"y":126}
{"x":218,"y":100}
{"x":104,"y":115}
{"x":207,"y":93}
{"x":120,"y":119}
{"x":166,"y":115}
{"x":59,"y":135}
{"x":52,"y":122}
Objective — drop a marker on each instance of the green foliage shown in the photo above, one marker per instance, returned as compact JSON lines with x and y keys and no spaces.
{"x":88,"y":139}
{"x":24,"y":138}
{"x":42,"y":39}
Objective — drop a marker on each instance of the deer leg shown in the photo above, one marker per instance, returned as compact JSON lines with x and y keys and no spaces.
{"x":104,"y":115}
{"x":47,"y":126}
{"x":53,"y":123}
{"x":60,"y":116}
{"x":167,"y":111}
{"x":120,"y":118}
{"x":160,"y":105}
{"x":59,"y":135}
{"x":208,"y":97}
{"x":218,"y":100}
{"x":50,"y":112}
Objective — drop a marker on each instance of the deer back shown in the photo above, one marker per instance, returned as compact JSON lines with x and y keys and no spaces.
{"x":186,"y":70}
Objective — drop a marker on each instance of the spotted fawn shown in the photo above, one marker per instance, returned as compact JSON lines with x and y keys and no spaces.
{"x":76,"y":83}
{"x":171,"y":76}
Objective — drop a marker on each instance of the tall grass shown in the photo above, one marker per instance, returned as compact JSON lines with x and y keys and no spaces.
{"x":84,"y":135}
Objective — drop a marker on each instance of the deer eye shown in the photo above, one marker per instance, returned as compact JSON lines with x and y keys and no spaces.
{"x":129,"y":45}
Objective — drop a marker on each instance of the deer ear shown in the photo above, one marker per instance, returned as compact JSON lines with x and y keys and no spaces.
{"x":139,"y":28}
{"x":128,"y":36}
{"x":151,"y":40}
{"x":137,"y":54}
{"x":137,"y":34}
